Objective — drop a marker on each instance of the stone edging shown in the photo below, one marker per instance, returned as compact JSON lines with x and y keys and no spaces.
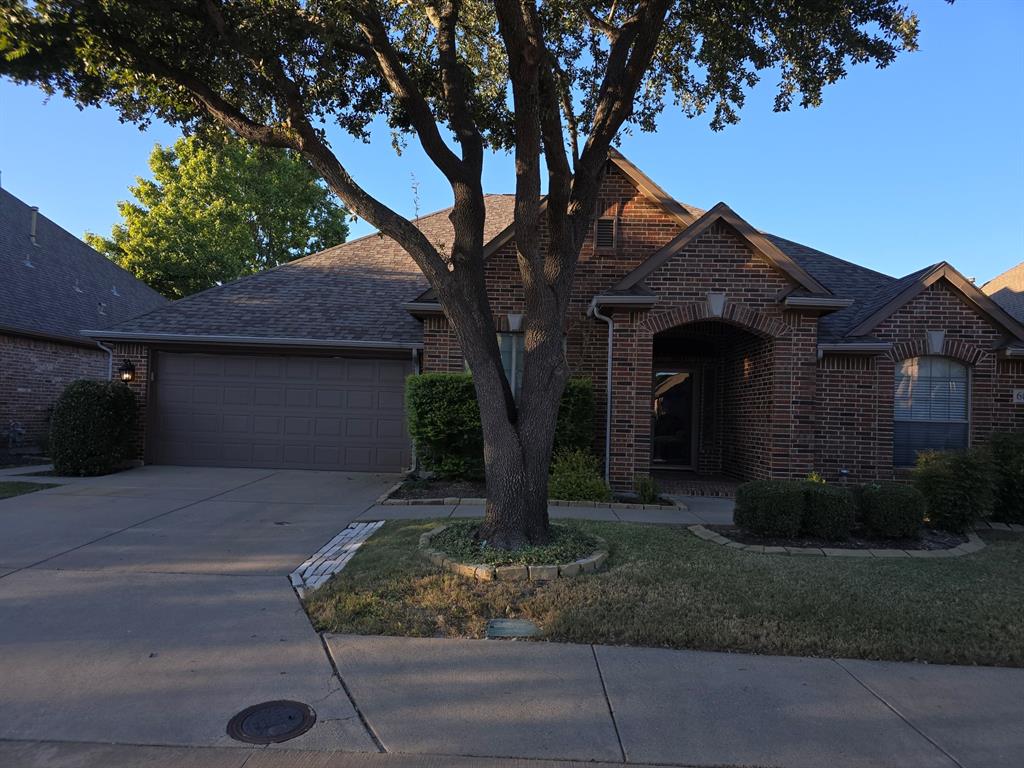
{"x":973,"y":544}
{"x":387,"y":500}
{"x":484,"y":572}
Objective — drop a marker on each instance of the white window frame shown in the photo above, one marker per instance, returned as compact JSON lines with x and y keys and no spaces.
{"x":518,"y":348}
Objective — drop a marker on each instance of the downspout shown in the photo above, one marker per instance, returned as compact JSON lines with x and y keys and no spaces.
{"x":593,"y":311}
{"x":110,"y":359}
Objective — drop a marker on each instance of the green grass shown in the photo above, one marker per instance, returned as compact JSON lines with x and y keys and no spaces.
{"x":667,"y":588}
{"x":568,"y":543}
{"x":8,"y":489}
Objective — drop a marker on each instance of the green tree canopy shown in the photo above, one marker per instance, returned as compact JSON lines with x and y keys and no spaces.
{"x":217,"y":209}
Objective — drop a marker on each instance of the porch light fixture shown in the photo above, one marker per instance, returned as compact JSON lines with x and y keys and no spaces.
{"x":127,"y":371}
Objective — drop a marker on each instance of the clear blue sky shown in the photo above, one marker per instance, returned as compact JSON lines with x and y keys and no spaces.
{"x":900,"y":168}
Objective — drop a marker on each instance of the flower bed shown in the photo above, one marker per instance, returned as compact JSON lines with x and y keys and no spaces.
{"x":569,"y":553}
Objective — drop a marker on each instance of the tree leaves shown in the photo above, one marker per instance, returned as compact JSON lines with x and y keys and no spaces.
{"x":217,"y":209}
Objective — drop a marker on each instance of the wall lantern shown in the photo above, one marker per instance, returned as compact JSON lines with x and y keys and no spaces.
{"x":127,"y":371}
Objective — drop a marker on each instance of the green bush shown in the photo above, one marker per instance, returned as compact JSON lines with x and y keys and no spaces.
{"x":444,"y":422}
{"x":647,"y":489}
{"x":829,"y":511}
{"x":957,"y":487}
{"x":1008,"y":467}
{"x":891,"y":510}
{"x":770,"y":507}
{"x":92,"y":427}
{"x":576,"y":476}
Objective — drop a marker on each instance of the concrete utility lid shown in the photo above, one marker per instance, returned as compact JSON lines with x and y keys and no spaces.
{"x":498,"y":628}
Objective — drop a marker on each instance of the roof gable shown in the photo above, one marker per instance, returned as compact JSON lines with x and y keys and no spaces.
{"x":1007,"y":290}
{"x":755,"y":239}
{"x":906,"y":288}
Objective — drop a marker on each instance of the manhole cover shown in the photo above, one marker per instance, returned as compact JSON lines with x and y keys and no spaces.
{"x":511,"y":628}
{"x":271,"y":722}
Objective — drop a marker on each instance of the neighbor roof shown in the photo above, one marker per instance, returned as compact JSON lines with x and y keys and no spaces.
{"x":59,"y":286}
{"x":352,"y":292}
{"x":1007,"y":290}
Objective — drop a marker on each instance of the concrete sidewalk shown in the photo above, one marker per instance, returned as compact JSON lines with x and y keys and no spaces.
{"x":694,"y":510}
{"x":645,"y":705}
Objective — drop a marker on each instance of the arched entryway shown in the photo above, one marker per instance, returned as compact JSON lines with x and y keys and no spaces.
{"x":711,"y":395}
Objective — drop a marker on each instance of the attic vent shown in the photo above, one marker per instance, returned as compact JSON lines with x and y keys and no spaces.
{"x":34,"y":225}
{"x":102,"y":307}
{"x":78,"y":288}
{"x":113,"y":290}
{"x":28,"y":261}
{"x":604,"y":233}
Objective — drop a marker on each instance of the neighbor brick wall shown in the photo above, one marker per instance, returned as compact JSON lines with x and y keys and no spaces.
{"x":139,"y":355}
{"x":33,"y":373}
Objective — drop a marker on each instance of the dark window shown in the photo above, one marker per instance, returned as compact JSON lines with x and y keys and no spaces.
{"x":604,"y":234}
{"x":930,"y":408}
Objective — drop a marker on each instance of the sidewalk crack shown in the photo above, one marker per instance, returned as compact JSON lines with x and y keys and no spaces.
{"x":608,"y":703}
{"x":896,"y":712}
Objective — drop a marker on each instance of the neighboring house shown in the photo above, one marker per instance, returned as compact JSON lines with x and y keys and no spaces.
{"x":52,"y":285}
{"x":1007,"y":290}
{"x":733,"y":351}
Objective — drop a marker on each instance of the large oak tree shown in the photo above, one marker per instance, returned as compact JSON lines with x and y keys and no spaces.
{"x":553,"y":82}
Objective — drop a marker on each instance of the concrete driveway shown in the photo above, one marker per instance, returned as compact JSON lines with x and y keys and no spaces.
{"x":152,"y":605}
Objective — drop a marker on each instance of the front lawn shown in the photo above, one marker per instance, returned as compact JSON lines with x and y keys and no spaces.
{"x":667,"y":588}
{"x":8,"y":489}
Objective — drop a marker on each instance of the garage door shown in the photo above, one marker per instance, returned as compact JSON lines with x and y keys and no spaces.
{"x":277,"y":411}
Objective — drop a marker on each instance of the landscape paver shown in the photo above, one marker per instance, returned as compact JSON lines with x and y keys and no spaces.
{"x":479,"y":697}
{"x":702,"y":708}
{"x":157,"y":658}
{"x":976,"y":714}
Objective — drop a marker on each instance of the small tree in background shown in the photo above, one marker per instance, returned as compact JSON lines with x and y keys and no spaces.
{"x":218,"y":208}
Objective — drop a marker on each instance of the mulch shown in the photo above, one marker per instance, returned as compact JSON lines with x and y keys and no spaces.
{"x":930,"y":539}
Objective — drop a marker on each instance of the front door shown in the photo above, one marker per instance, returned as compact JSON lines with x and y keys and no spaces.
{"x":672,"y":428}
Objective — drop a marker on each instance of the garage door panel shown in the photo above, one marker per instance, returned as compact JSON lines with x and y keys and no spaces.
{"x":283,"y":411}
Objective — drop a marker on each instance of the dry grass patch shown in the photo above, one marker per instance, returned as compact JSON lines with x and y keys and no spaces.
{"x":666,"y":588}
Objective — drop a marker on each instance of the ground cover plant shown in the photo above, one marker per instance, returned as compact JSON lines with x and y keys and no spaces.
{"x":14,"y":488}
{"x":664,"y":587}
{"x":460,"y":541}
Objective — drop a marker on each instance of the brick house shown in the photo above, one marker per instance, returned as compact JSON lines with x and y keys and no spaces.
{"x":731,"y":351}
{"x":53,"y":285}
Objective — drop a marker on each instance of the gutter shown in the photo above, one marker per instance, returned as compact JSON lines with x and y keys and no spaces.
{"x":277,"y":341}
{"x":1013,"y":352}
{"x":624,"y":302}
{"x":859,"y":348}
{"x":593,"y":311}
{"x":817,"y":302}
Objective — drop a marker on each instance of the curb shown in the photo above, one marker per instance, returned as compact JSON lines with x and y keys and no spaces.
{"x":386,"y":500}
{"x":973,"y":544}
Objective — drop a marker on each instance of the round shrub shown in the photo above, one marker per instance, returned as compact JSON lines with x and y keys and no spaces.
{"x":92,"y":427}
{"x":891,"y":510}
{"x":829,"y":511}
{"x":1008,"y":465}
{"x":957,"y":487}
{"x":770,"y":507}
{"x":576,"y":476}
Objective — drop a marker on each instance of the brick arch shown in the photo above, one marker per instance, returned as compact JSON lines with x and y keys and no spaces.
{"x":961,"y":351}
{"x":734,"y":314}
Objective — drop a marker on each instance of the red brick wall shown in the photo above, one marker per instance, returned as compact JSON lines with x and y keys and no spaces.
{"x":855,"y":402}
{"x":139,"y":355}
{"x":33,"y":373}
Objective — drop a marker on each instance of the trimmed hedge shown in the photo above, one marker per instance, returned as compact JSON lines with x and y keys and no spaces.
{"x":444,"y":422}
{"x":92,"y":426}
{"x":829,"y":511}
{"x":1008,"y":467}
{"x":957,"y":487}
{"x":770,"y":507}
{"x":892,"y":510}
{"x":576,"y":476}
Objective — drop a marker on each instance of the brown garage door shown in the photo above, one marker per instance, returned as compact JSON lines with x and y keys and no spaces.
{"x":278,"y":411}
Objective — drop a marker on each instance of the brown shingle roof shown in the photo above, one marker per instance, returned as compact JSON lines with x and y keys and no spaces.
{"x":60,"y":286}
{"x":352,"y":292}
{"x":1007,"y":290}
